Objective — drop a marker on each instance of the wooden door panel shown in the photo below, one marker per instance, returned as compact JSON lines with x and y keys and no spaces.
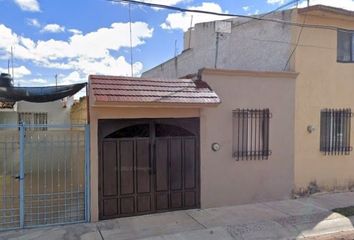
{"x":176,"y":199}
{"x":189,"y":163}
{"x":127,"y":205}
{"x":190,"y":198}
{"x":126,"y":160}
{"x":162,"y":200}
{"x":144,"y":203}
{"x":110,"y":184}
{"x":110,"y":207}
{"x":161,"y":164}
{"x":176,"y":163}
{"x":143,"y":166}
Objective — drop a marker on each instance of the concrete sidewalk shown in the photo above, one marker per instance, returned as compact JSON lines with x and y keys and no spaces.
{"x":289,"y":219}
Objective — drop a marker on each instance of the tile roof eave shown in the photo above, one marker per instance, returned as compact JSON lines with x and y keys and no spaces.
{"x":155,"y":104}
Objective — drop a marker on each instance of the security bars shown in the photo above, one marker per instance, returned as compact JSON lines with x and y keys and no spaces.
{"x":335,"y":131}
{"x":251,"y":134}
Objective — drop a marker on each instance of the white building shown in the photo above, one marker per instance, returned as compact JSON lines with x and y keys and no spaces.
{"x":56,"y":112}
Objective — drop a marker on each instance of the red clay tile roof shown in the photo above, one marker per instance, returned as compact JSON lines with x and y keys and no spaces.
{"x":142,"y":90}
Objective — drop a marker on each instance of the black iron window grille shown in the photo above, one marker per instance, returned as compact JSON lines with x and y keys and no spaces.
{"x":251,"y":134}
{"x":335,"y":131}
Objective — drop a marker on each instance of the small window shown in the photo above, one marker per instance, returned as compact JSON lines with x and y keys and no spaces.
{"x":335,"y":131}
{"x":251,"y":134}
{"x":345,"y":46}
{"x":33,"y":118}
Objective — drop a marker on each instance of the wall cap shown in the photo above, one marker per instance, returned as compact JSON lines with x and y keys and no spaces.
{"x":248,"y":73}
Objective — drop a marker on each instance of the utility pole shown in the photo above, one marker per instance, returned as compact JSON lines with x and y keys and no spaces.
{"x":175,"y":48}
{"x":308,"y":3}
{"x":12,"y":65}
{"x":56,"y":80}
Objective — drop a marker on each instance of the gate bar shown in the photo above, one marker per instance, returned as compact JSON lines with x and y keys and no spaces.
{"x":87,"y":174}
{"x":22,"y":175}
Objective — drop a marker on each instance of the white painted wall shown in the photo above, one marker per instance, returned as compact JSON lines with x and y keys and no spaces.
{"x":57,"y":114}
{"x":248,"y":47}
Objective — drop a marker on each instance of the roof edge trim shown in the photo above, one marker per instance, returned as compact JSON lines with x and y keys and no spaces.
{"x":247,"y":73}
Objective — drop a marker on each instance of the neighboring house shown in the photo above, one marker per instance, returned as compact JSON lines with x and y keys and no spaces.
{"x":324,"y":100}
{"x":78,"y":112}
{"x":36,"y":113}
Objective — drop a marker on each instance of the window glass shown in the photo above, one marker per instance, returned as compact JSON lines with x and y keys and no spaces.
{"x":335,"y":131}
{"x":344,"y":46}
{"x":251,"y":134}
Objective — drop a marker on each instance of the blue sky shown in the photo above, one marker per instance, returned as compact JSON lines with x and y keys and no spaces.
{"x":80,"y":37}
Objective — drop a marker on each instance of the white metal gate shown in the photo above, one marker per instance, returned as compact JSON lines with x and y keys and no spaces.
{"x":44,"y":175}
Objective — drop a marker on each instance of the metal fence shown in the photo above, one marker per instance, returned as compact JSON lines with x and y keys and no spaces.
{"x":44,"y":175}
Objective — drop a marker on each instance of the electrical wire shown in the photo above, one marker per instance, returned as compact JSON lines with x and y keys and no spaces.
{"x":155,"y":5}
{"x":296,"y":45}
{"x":269,"y":13}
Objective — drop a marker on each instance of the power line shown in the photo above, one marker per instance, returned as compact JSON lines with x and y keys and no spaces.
{"x":317,"y":26}
{"x":271,"y":12}
{"x":296,"y":45}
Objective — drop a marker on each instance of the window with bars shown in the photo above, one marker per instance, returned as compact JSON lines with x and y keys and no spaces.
{"x":335,"y":131}
{"x":251,"y":134}
{"x":34,"y":118}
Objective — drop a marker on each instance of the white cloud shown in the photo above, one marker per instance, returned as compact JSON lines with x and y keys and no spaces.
{"x":88,"y":54}
{"x":53,"y":28}
{"x":246,"y":8}
{"x":33,"y":22}
{"x":38,"y":81}
{"x":75,"y":31}
{"x":107,"y":65}
{"x":19,"y":72}
{"x":164,"y":2}
{"x":71,"y":78}
{"x":276,"y":1}
{"x":345,"y":4}
{"x":28,"y":5}
{"x":182,"y":20}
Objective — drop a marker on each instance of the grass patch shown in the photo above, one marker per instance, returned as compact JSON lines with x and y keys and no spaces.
{"x":347,"y":211}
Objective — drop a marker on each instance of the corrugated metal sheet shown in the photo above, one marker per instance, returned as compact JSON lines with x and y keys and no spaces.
{"x":141,"y":90}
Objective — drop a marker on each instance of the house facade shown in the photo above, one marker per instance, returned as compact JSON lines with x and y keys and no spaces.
{"x":169,"y":144}
{"x":52,"y":113}
{"x":321,"y":53}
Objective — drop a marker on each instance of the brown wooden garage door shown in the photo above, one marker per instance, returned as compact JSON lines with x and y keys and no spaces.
{"x":149,"y":167}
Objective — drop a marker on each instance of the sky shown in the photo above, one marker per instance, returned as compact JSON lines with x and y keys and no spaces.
{"x":75,"y":38}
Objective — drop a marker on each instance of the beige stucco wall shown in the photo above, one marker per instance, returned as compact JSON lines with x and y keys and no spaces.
{"x":225,"y":181}
{"x":322,"y":83}
{"x":115,"y":112}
